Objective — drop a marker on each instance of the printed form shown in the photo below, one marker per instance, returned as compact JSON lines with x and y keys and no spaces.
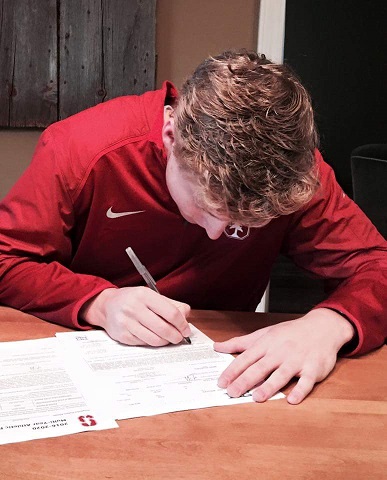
{"x":80,"y":381}
{"x":145,"y":381}
{"x":39,"y":398}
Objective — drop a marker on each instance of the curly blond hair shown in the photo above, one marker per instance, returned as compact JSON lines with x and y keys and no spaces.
{"x":245,"y":129}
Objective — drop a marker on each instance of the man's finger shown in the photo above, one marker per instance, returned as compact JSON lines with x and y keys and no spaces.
{"x":183,"y":307}
{"x":303,"y":387}
{"x":128,"y":338}
{"x":236,"y":369}
{"x":154,"y":329}
{"x":250,"y":377}
{"x":149,"y":337}
{"x":165,"y":308}
{"x":277,"y":380}
{"x":237,"y":344}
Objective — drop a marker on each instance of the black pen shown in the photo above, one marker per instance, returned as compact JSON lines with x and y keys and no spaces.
{"x":149,"y":280}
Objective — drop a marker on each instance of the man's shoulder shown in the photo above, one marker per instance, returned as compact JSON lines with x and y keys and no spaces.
{"x":76,"y":145}
{"x":109,"y":124}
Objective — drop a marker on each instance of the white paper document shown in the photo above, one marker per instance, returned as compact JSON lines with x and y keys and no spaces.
{"x":38,"y":397}
{"x":142,"y":381}
{"x":82,"y":381}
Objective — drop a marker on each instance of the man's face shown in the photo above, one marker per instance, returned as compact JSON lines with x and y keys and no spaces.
{"x":184,"y":191}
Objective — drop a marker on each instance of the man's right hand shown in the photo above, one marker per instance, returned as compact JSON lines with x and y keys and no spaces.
{"x":138,"y":316}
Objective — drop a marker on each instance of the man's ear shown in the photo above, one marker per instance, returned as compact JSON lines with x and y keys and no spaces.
{"x":168,"y":132}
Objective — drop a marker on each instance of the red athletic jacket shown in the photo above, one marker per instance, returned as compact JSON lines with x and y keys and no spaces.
{"x":62,"y":239}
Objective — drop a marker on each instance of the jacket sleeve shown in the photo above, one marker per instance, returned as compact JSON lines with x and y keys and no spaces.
{"x":36,"y":222}
{"x":332,"y":238}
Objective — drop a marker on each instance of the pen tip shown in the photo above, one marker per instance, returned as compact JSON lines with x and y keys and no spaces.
{"x":188,"y":340}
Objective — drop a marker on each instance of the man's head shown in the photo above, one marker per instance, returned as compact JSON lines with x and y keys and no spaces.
{"x":244,"y":130}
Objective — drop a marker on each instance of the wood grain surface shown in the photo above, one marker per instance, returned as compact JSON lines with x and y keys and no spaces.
{"x":339,"y":432}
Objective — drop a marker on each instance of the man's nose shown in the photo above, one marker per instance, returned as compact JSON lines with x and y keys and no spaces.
{"x":215,"y":228}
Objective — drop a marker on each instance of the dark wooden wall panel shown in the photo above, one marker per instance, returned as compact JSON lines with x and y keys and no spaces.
{"x":58,"y":57}
{"x":80,"y":60}
{"x":7,"y":56}
{"x":129,"y":47}
{"x":28,"y":63}
{"x":107,"y":49}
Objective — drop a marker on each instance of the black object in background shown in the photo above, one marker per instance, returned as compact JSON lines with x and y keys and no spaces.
{"x":369,"y":178}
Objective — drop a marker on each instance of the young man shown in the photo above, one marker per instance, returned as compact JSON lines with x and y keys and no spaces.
{"x":207,"y":188}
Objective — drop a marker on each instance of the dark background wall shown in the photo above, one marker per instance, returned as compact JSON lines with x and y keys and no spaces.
{"x":339,"y":49}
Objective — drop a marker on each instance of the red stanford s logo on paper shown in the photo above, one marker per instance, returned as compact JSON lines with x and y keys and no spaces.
{"x":237,"y":232}
{"x":87,"y":420}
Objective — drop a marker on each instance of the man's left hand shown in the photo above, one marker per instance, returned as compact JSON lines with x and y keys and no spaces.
{"x":305,"y":348}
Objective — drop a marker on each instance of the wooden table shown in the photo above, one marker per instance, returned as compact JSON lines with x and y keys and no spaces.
{"x":338,"y":432}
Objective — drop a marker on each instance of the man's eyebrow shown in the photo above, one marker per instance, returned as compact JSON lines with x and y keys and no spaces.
{"x":225,"y":219}
{"x":198,"y":199}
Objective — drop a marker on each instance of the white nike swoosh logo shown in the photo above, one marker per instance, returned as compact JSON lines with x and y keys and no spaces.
{"x":111,"y":214}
